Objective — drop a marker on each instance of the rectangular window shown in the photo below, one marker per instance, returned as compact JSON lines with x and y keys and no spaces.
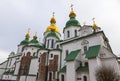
{"x":85,"y":49}
{"x":68,"y":34}
{"x":48,"y":43}
{"x":52,"y":43}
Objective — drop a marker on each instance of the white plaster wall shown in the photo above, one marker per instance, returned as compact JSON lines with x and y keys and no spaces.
{"x":71,"y":71}
{"x":92,"y":67}
{"x":111,"y":62}
{"x":50,"y":40}
{"x":34,"y":66}
{"x":23,"y":78}
{"x":60,"y":76}
{"x":71,"y":29}
{"x":2,"y":68}
{"x":31,"y":78}
{"x":17,"y":66}
{"x":14,"y":78}
{"x":85,"y":30}
{"x":76,"y":44}
{"x":32,"y":50}
{"x":81,"y":74}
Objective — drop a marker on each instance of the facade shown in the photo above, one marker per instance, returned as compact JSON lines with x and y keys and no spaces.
{"x":75,"y":58}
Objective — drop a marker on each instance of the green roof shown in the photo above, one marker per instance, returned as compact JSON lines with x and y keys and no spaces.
{"x":52,"y":34}
{"x":34,"y":41}
{"x":8,"y":72}
{"x":63,"y":70}
{"x":72,"y":55}
{"x":73,"y":22}
{"x":24,"y":42}
{"x":93,"y":51}
{"x":82,"y":68}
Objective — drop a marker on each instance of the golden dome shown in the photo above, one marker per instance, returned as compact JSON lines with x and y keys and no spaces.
{"x":72,"y":13}
{"x":35,"y":36}
{"x":52,"y":26}
{"x":27,"y":36}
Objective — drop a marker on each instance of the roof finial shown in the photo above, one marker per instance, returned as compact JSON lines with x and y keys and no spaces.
{"x":94,"y":24}
{"x":53,"y":14}
{"x":28,"y":34}
{"x":53,"y":20}
{"x":72,"y":13}
{"x":35,"y":36}
{"x":72,"y":7}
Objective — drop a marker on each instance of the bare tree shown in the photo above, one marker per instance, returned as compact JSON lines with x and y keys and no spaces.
{"x":105,"y":73}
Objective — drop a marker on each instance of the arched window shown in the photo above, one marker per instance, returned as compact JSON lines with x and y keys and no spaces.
{"x":50,"y":76}
{"x":52,"y":43}
{"x":68,"y":34}
{"x":28,"y":53}
{"x":57,"y":46}
{"x":86,"y":63}
{"x":48,"y":43}
{"x":85,"y":49}
{"x":75,"y":33}
{"x":62,"y":78}
{"x":67,"y":53}
{"x":84,"y":78}
{"x":80,"y":63}
{"x":34,"y":54}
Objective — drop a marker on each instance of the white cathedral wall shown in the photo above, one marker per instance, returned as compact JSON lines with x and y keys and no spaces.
{"x":76,"y":44}
{"x":71,"y":71}
{"x":34,"y":66}
{"x":17,"y":68}
{"x":23,"y":78}
{"x":111,"y":62}
{"x":92,"y":67}
{"x":32,"y":50}
{"x":31,"y":78}
{"x":60,"y":78}
{"x":71,"y":29}
{"x":2,"y":68}
{"x":80,"y":75}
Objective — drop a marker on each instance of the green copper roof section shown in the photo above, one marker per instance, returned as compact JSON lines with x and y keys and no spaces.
{"x":8,"y":72}
{"x":52,"y":34}
{"x":72,"y":55}
{"x":24,"y":42}
{"x":93,"y":51}
{"x":34,"y":41}
{"x":82,"y":69}
{"x":63,"y":70}
{"x":73,"y":22}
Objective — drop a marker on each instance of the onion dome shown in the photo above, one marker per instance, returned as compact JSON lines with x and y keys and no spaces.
{"x":34,"y":40}
{"x":94,"y":26}
{"x":26,"y":40}
{"x":53,"y":34}
{"x":52,"y":26}
{"x":72,"y":21}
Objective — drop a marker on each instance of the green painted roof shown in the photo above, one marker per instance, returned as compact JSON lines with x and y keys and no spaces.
{"x":82,"y":68}
{"x":63,"y":70}
{"x":8,"y":72}
{"x":72,"y":55}
{"x":52,"y":34}
{"x":24,"y":42}
{"x":34,"y":41}
{"x":73,"y":22}
{"x":93,"y":51}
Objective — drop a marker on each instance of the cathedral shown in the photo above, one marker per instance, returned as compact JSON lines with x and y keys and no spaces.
{"x":74,"y":57}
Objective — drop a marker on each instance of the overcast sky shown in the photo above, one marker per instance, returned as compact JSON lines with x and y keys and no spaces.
{"x":16,"y":16}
